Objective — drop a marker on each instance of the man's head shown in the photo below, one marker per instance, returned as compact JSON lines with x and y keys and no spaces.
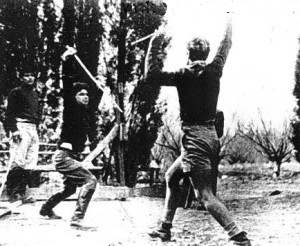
{"x":198,"y":49}
{"x":28,"y":77}
{"x":81,"y":93}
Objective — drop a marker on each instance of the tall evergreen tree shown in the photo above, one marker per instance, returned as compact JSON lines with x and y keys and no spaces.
{"x":49,"y":67}
{"x":49,"y":43}
{"x":136,"y":21}
{"x":296,"y":122}
{"x":19,"y":40}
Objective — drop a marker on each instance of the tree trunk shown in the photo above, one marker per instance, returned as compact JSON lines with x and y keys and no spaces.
{"x":276,"y":170}
{"x":120,"y":93}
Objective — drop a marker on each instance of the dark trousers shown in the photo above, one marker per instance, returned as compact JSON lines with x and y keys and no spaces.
{"x":17,"y":180}
{"x":73,"y":179}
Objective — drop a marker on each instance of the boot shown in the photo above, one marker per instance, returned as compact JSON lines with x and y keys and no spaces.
{"x":163,"y":232}
{"x":16,"y":184}
{"x":84,"y":198}
{"x":47,"y":211}
{"x":240,"y":239}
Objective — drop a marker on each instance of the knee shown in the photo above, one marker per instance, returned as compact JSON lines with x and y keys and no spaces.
{"x":92,"y":182}
{"x":207,"y":196}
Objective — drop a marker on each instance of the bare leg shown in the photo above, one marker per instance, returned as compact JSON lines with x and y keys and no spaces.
{"x":173,"y":177}
{"x":215,"y":170}
{"x":202,"y":182}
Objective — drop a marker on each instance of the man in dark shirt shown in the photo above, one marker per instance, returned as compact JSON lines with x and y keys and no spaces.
{"x":21,"y":121}
{"x":198,"y":87}
{"x":76,"y":130}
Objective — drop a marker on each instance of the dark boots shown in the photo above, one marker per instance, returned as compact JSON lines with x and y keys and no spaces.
{"x":240,"y":239}
{"x":47,"y":208}
{"x":16,"y":183}
{"x":48,"y":212}
{"x":163,"y":232}
{"x":83,"y":201}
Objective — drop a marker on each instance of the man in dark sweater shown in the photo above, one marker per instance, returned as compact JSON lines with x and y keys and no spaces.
{"x":198,"y":87}
{"x":21,"y":121}
{"x":76,"y":130}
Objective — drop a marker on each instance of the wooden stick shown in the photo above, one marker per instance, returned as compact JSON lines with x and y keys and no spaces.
{"x":10,"y":210}
{"x":100,"y":86}
{"x":142,"y":39}
{"x":103,"y":144}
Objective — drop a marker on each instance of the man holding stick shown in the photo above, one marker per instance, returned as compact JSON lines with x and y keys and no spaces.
{"x":67,"y":158}
{"x":76,"y":130}
{"x":198,"y":87}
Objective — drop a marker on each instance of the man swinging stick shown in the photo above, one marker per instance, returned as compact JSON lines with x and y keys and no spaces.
{"x":198,"y":87}
{"x":76,"y":129}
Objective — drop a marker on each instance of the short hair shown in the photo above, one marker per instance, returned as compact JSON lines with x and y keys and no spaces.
{"x":78,"y":86}
{"x":198,"y":49}
{"x":26,"y":70}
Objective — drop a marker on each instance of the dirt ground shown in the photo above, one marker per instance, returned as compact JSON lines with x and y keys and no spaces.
{"x":268,"y":219}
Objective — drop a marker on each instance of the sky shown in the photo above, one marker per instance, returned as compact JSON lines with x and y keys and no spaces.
{"x":258,"y":77}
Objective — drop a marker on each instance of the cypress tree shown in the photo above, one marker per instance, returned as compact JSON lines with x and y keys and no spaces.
{"x":144,"y":118}
{"x":296,"y":122}
{"x":19,"y":40}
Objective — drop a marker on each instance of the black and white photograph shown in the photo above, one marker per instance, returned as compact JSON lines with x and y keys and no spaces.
{"x":149,"y":123}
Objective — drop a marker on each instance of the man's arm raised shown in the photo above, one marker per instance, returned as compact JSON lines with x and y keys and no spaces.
{"x":225,"y":46}
{"x":155,"y":56}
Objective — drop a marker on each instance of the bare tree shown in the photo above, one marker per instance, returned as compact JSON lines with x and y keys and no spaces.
{"x":272,"y":143}
{"x":225,"y":142}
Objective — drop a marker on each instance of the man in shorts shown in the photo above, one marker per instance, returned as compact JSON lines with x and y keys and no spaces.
{"x":198,"y":87}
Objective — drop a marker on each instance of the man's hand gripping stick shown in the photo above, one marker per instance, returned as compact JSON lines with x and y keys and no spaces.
{"x":72,"y":51}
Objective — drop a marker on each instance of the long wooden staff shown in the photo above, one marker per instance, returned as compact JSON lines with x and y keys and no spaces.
{"x":72,"y":51}
{"x":103,"y":144}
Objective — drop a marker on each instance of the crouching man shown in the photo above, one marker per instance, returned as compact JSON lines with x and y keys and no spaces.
{"x":76,"y":129}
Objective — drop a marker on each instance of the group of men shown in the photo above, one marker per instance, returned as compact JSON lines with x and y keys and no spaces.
{"x":21,"y":124}
{"x":198,"y":86}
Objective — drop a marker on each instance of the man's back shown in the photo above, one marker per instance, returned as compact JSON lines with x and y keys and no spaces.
{"x":198,"y":95}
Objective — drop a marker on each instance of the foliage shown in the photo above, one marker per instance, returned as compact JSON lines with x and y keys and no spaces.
{"x":296,"y":122}
{"x":49,"y":69}
{"x":35,"y":33}
{"x":142,"y":115}
{"x":82,"y":28}
{"x":19,"y":41}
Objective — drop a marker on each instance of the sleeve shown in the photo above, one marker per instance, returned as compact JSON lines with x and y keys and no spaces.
{"x":222,"y":53}
{"x":10,"y":123}
{"x":154,"y":62}
{"x":161,"y":78}
{"x":95,"y":98}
